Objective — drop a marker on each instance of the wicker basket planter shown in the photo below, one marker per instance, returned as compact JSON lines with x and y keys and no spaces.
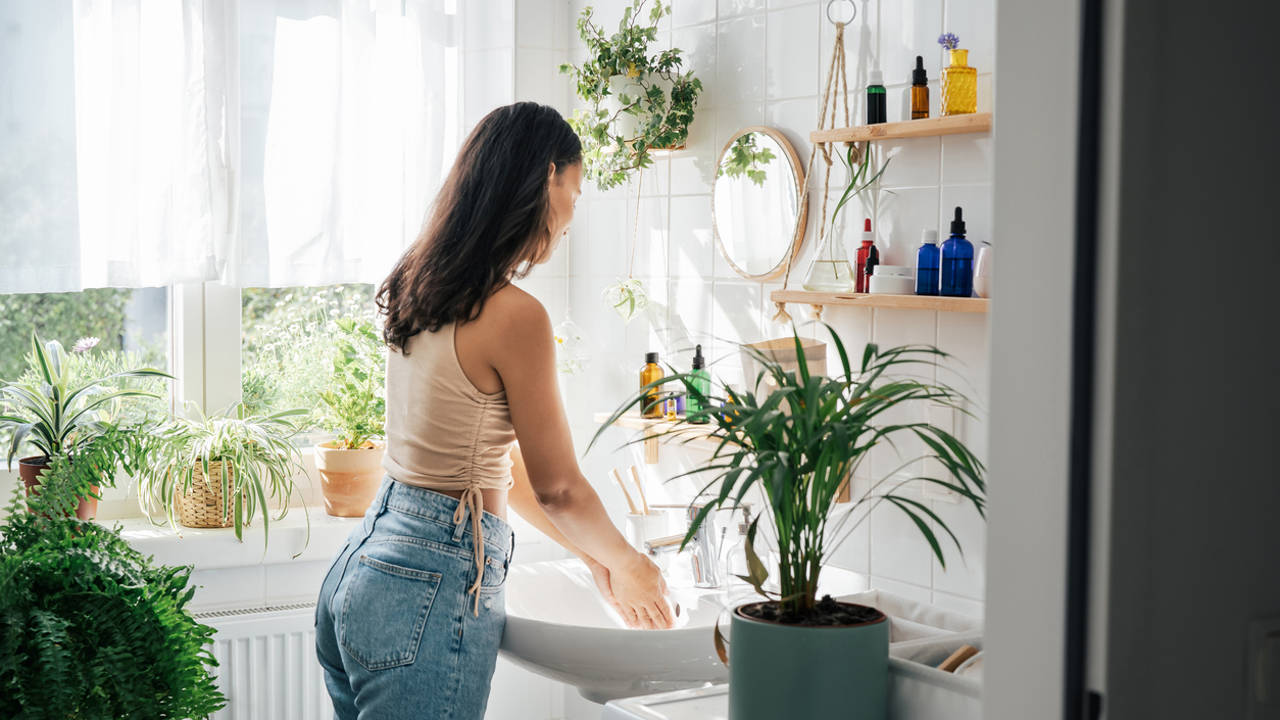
{"x":202,"y":507}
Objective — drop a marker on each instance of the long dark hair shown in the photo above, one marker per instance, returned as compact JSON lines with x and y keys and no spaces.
{"x":487,"y":225}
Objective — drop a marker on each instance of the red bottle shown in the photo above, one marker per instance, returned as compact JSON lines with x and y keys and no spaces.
{"x":867,"y":259}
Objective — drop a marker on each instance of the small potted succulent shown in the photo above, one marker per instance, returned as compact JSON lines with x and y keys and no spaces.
{"x":797,"y":442}
{"x":354,"y":407}
{"x":221,"y":471}
{"x":89,"y":626}
{"x":55,"y":409}
{"x":637,"y":102}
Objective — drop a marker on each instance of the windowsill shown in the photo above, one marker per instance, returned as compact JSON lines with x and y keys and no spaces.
{"x":214,"y":548}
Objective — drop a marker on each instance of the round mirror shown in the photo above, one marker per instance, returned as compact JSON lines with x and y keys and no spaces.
{"x":755,"y":202}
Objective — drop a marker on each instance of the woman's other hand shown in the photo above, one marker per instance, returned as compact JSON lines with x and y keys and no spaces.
{"x":641,"y":593}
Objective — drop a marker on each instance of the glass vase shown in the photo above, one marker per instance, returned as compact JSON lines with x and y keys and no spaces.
{"x":830,"y":269}
{"x":959,"y":85}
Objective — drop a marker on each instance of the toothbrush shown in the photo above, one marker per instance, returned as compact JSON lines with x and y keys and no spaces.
{"x":644,"y":504}
{"x":630,"y":504}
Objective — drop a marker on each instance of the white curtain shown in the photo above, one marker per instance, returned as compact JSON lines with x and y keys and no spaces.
{"x":252,"y":142}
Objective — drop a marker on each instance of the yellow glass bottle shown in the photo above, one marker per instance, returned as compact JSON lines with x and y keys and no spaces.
{"x":959,"y":85}
{"x":651,"y":372}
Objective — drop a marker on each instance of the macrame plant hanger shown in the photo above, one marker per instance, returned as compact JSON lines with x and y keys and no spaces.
{"x":835,"y":95}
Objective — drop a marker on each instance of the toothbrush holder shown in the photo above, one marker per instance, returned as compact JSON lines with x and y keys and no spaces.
{"x":640,"y":528}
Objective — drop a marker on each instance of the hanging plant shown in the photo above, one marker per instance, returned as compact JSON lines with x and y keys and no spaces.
{"x":746,"y":158}
{"x":636,"y":102}
{"x":627,"y":297}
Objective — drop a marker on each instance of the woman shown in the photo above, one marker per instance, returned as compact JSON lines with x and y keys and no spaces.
{"x":411,"y":613}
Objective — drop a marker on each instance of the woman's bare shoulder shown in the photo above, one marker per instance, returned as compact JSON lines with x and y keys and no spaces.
{"x":513,"y":309}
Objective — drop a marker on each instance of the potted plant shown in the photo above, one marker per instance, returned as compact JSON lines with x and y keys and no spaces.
{"x":353,"y":405}
{"x":636,"y":102}
{"x":55,"y":409}
{"x":90,"y":627}
{"x":221,"y":471}
{"x":797,"y":444}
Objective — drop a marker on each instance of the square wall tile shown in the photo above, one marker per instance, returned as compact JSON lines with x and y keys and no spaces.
{"x":791,"y":52}
{"x":600,"y":246}
{"x":730,"y":8}
{"x":693,"y":244}
{"x":974,"y":21}
{"x":650,"y":237}
{"x":859,"y":49}
{"x":693,"y":169}
{"x":912,"y":162}
{"x":854,"y":549}
{"x":893,"y":327}
{"x":692,"y":12}
{"x":898,"y":550}
{"x":965,"y":606}
{"x":909,"y":28}
{"x":689,"y":313}
{"x":543,"y":24}
{"x":740,"y":64}
{"x":698,"y":54}
{"x":795,"y":118}
{"x":538,"y":78}
{"x":965,"y":575}
{"x":966,"y":159}
{"x":904,"y":213}
{"x":976,"y":203}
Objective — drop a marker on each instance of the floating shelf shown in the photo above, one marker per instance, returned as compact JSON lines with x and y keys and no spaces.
{"x":654,"y":430}
{"x":904,"y":302}
{"x":929,"y":127}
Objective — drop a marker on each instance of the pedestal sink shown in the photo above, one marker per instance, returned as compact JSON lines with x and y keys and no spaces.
{"x":559,"y":627}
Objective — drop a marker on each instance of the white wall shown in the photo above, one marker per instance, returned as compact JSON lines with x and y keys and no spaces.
{"x":763,"y":65}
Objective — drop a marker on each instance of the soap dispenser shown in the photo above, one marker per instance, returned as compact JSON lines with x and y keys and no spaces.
{"x":957,"y":261}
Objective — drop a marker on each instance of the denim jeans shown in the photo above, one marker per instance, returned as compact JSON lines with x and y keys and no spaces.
{"x":395,"y":629}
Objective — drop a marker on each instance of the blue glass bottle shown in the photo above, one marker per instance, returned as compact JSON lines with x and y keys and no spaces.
{"x":957,"y":261}
{"x":927,"y":264}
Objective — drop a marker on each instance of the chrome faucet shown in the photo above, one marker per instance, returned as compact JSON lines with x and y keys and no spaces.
{"x":704,"y":546}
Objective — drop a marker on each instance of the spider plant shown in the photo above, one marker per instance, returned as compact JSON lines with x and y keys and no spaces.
{"x":799,"y":443}
{"x":53,"y":410}
{"x":257,"y":463}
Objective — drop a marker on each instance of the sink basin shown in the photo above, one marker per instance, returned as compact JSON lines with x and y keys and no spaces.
{"x":559,"y":627}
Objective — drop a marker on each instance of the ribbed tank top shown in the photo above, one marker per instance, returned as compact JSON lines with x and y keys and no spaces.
{"x":445,"y":434}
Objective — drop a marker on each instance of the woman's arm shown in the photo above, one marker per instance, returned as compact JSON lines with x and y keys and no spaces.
{"x":525,"y":503}
{"x":524,"y":357}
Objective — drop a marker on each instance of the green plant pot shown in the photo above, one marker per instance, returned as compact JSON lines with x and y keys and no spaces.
{"x":787,"y":671}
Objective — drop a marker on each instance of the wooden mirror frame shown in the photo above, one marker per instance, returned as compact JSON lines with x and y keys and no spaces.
{"x":802,"y":216}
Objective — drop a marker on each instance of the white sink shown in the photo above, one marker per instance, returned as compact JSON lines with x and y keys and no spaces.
{"x":559,"y":627}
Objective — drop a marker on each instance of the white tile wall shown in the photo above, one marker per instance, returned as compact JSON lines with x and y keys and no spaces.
{"x":761,"y":62}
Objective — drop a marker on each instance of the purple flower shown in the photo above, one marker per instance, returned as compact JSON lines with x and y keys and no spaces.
{"x":85,"y":344}
{"x":949,"y":41}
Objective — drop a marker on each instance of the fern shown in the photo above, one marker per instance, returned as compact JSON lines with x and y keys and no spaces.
{"x":89,"y":627}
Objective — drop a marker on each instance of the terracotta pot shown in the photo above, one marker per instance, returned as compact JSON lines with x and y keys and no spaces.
{"x":349,"y":478}
{"x":30,"y":468}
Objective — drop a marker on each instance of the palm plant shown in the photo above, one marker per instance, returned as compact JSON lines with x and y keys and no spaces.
{"x":256,"y":462}
{"x":54,"y":410}
{"x":801,"y":442}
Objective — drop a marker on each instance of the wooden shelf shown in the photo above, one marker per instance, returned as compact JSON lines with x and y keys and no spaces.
{"x":929,"y":127}
{"x":904,"y":302}
{"x":655,"y":430}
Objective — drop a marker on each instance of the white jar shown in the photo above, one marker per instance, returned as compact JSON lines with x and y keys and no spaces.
{"x":892,"y":280}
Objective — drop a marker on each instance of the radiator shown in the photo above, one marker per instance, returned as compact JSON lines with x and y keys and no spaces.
{"x":267,"y":665}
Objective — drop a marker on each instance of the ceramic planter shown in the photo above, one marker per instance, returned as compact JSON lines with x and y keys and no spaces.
{"x":30,"y":468}
{"x":349,"y":478}
{"x":787,"y":671}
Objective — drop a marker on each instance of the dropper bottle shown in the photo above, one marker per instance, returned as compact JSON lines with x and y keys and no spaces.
{"x":868,"y":257}
{"x":877,"y":100}
{"x":957,"y":261}
{"x":919,"y":91}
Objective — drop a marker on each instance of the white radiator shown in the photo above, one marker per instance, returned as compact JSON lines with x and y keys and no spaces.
{"x":267,"y":663}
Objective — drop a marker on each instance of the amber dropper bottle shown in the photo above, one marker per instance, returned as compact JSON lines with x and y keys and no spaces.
{"x":651,"y":407}
{"x":919,"y":91}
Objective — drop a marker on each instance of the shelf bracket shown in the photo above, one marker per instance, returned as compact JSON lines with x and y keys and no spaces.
{"x":817,"y":312}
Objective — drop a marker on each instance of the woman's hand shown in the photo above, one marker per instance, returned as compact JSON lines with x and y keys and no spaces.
{"x":640,"y":593}
{"x":600,"y":575}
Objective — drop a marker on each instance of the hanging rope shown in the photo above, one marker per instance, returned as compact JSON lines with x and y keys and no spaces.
{"x":834,"y":94}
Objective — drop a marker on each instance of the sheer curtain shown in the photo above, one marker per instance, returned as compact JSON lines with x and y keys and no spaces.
{"x":252,"y":142}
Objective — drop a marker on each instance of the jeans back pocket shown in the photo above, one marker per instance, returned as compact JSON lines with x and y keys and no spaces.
{"x":384,"y":613}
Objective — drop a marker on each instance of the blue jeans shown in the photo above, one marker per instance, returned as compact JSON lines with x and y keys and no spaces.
{"x":395,"y":629}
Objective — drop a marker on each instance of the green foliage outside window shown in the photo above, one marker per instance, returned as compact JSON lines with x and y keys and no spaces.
{"x":65,"y":317}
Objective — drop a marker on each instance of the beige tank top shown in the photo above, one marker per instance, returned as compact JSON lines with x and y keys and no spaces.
{"x":445,"y":434}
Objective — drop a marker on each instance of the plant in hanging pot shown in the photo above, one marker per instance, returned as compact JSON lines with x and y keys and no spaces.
{"x":637,"y":102}
{"x":354,"y":406}
{"x":796,"y":444}
{"x":221,"y":471}
{"x":54,"y":408}
{"x":89,"y":626}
